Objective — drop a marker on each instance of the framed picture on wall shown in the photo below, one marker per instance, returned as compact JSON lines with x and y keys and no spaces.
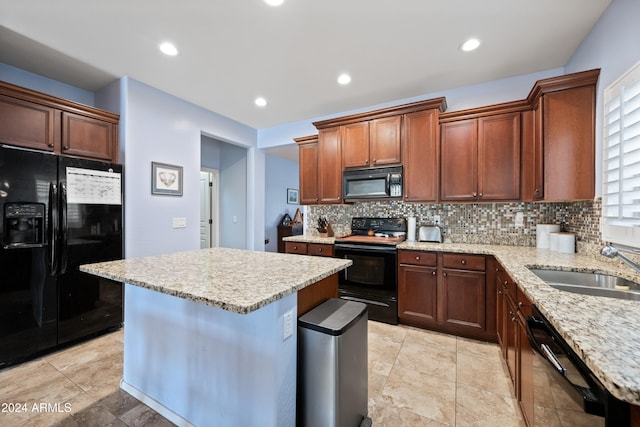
{"x":292,"y":196}
{"x":166,"y":179}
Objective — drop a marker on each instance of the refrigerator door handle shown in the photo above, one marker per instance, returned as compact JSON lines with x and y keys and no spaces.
{"x":64,"y":228}
{"x":54,"y":221}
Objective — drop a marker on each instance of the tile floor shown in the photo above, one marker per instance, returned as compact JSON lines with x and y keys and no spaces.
{"x":416,"y":378}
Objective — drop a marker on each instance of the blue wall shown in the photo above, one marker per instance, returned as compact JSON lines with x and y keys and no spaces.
{"x":281,"y":174}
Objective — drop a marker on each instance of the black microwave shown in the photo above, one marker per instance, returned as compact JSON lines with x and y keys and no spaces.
{"x":372,"y":183}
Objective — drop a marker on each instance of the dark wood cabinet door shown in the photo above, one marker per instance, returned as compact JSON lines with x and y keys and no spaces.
{"x":418,"y":295}
{"x":511,"y":337}
{"x":355,"y":145}
{"x":459,"y":160}
{"x":463,"y":299}
{"x":499,"y":157}
{"x":329,"y":166}
{"x":385,"y":141}
{"x":27,"y":124}
{"x":421,"y":155}
{"x":569,"y":144}
{"x":88,"y":137}
{"x":308,"y":166}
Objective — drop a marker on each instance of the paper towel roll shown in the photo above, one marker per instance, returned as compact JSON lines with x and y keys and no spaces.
{"x":411,"y":229}
{"x":566,"y":243}
{"x":542,"y":234}
{"x":553,"y":241}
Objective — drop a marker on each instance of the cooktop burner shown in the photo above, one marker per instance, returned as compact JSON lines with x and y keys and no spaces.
{"x":386,"y":231}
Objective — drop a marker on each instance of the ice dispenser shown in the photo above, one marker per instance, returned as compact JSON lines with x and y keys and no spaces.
{"x":24,"y":225}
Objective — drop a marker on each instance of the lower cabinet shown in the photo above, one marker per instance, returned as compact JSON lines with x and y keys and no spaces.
{"x":446,"y":292}
{"x":513,"y":309}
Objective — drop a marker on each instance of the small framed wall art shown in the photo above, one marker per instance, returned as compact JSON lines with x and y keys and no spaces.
{"x":292,"y":196}
{"x":166,"y":179}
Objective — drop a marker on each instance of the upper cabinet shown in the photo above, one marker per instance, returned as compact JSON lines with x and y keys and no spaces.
{"x":308,"y":160}
{"x":329,"y":166}
{"x":421,"y":155}
{"x":480,"y":158}
{"x":372,"y":143}
{"x":562,"y":138}
{"x":35,"y":120}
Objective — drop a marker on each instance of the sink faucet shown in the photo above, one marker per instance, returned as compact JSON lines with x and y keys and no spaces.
{"x":612,"y":252}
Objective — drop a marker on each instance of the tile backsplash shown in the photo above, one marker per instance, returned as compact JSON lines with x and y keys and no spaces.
{"x":488,"y":223}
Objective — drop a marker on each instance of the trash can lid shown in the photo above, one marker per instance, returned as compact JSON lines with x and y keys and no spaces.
{"x":333,"y":317}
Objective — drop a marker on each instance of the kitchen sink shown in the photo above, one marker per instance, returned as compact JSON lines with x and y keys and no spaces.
{"x":600,"y":285}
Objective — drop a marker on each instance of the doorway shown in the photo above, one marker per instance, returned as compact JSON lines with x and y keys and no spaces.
{"x":209,"y":208}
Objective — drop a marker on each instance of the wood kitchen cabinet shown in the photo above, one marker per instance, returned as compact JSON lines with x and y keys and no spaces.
{"x":308,"y":169}
{"x":421,"y":156}
{"x":329,"y":166}
{"x":35,"y":120}
{"x":560,"y":160}
{"x":447,"y":293}
{"x":314,"y":249}
{"x":418,"y":288}
{"x":480,"y":158}
{"x":513,"y":309}
{"x":371,"y":143}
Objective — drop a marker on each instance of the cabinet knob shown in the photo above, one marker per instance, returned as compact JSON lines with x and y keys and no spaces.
{"x":479,"y":194}
{"x":417,"y":258}
{"x":444,"y":274}
{"x":474,"y":194}
{"x":375,"y":160}
{"x":295,"y":247}
{"x":50,"y":144}
{"x":366,"y":162}
{"x":433,"y":273}
{"x":499,"y":292}
{"x":65,"y":147}
{"x":537,"y":191}
{"x":506,"y":283}
{"x":319,"y":249}
{"x":463,"y":261}
{"x":520,"y":304}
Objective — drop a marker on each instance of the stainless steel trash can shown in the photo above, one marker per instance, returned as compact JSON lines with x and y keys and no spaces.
{"x":332,"y":365}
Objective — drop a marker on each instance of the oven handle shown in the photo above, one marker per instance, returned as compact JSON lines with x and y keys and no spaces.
{"x":365,"y":248}
{"x":366,"y":301}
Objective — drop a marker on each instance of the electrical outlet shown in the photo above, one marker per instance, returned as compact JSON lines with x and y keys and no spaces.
{"x":519,"y":219}
{"x":288,"y":325}
{"x":179,"y":222}
{"x":436,"y":219}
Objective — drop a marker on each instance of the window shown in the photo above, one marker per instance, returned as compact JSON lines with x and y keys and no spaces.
{"x":621,"y":142}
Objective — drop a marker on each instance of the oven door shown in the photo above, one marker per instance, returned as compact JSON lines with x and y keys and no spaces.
{"x":371,"y":279}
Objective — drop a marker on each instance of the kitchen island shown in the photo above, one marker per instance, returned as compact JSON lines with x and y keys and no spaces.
{"x":210,"y":335}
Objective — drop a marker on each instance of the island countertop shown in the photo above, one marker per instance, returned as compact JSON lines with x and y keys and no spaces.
{"x":235,"y":280}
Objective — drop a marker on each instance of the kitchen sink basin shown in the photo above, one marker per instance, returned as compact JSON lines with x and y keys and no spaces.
{"x":600,"y":285}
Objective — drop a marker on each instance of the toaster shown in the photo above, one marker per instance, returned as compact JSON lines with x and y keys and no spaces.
{"x":430,"y":233}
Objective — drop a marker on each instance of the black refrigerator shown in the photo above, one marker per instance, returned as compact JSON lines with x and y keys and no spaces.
{"x":56,"y":213}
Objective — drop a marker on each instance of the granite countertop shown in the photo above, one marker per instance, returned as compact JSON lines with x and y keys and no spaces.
{"x":231,"y":279}
{"x":307,"y":238}
{"x":604,"y":332}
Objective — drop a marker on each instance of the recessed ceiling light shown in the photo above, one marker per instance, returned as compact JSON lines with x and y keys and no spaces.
{"x":274,"y":2}
{"x":260,"y":102}
{"x":469,"y":45}
{"x":168,"y":49}
{"x":344,"y":79}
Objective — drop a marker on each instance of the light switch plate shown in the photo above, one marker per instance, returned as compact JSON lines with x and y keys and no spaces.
{"x":179,"y":222}
{"x":519,"y":219}
{"x":288,"y":325}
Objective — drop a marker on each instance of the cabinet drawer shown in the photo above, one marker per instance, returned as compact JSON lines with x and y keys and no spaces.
{"x":296,"y":248}
{"x":417,"y":258}
{"x":320,"y":249}
{"x":463,"y":261}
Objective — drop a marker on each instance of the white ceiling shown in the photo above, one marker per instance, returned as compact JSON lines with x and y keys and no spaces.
{"x":233,"y":51}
